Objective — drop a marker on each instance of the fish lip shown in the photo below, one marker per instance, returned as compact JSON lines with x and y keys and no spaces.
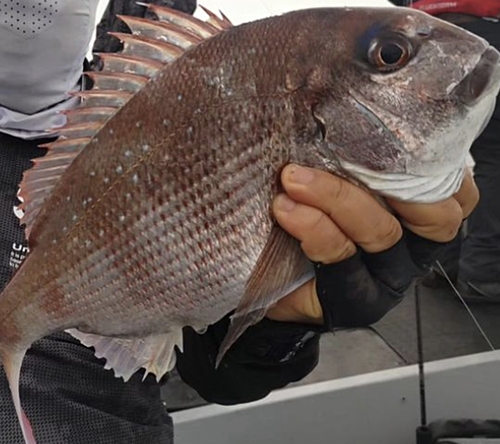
{"x":481,"y":79}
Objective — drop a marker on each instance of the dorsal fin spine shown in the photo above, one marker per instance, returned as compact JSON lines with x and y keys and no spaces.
{"x":123,"y":75}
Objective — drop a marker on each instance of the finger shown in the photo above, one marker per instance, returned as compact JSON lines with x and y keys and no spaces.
{"x":468,"y":194}
{"x":439,"y":221}
{"x":360,"y":217}
{"x":321,"y":240}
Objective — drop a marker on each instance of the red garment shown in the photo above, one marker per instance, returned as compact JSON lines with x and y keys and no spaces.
{"x":480,"y":8}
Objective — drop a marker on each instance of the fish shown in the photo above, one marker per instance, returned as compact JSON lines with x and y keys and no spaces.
{"x":152,"y":210}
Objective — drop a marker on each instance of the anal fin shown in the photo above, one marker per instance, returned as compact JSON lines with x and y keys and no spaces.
{"x":281,"y":268}
{"x":126,"y":356}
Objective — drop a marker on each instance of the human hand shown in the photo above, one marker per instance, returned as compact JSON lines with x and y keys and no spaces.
{"x":331,"y":218}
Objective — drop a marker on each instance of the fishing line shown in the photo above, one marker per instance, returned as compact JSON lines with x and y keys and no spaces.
{"x":476,"y":322}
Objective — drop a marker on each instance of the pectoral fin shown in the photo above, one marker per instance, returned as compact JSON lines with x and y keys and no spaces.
{"x":281,"y":268}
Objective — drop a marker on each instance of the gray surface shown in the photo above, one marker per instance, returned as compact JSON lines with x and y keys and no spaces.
{"x":352,"y":352}
{"x":381,"y":407}
{"x":177,"y":395}
{"x":448,"y":330}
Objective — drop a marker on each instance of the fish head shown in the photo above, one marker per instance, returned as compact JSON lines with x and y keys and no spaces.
{"x":406,"y":97}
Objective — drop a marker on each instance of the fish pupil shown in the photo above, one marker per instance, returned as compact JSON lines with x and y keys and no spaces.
{"x":391,"y":53}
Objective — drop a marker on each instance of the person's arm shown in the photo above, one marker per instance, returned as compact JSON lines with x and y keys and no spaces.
{"x":365,"y":260}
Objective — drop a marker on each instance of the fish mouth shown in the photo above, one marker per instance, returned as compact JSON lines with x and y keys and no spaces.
{"x":475,"y":84}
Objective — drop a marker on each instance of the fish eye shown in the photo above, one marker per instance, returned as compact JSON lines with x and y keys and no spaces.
{"x":390,"y":54}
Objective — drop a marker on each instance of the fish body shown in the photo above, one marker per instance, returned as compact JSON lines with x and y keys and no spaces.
{"x":156,"y":216}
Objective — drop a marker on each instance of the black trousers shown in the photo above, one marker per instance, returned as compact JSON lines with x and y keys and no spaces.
{"x":477,"y":259}
{"x":66,"y":392}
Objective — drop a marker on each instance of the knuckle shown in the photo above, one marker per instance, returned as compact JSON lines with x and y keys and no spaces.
{"x":471,"y":202}
{"x":450,"y":231}
{"x":317,"y":224}
{"x":452,"y":224}
{"x":384,"y":237}
{"x":338,"y":189}
{"x":347,"y":250}
{"x":391,"y":234}
{"x":312,"y":234}
{"x":328,"y":251}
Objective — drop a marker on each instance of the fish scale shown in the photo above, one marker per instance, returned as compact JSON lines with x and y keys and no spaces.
{"x":152,"y":212}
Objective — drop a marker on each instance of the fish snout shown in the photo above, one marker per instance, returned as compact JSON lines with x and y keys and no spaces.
{"x":481,"y":79}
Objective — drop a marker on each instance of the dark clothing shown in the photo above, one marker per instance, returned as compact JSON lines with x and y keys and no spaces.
{"x":269,"y":355}
{"x":474,"y":259}
{"x":111,"y":23}
{"x":70,"y":399}
{"x":480,"y":255}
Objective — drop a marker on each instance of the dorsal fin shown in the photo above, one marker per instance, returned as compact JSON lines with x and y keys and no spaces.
{"x":39,"y":181}
{"x":97,"y":114}
{"x":101,"y":98}
{"x":119,"y":81}
{"x":184,"y":21}
{"x":79,"y":130}
{"x":161,"y":31}
{"x":120,"y":63}
{"x":152,"y":45}
{"x":148,"y":48}
{"x":215,"y":20}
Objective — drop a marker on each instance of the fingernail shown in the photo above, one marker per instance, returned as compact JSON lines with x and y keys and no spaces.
{"x":284,"y":203}
{"x":301,"y":175}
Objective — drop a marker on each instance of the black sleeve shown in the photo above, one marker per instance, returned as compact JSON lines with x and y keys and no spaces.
{"x":269,"y":355}
{"x":359,"y":291}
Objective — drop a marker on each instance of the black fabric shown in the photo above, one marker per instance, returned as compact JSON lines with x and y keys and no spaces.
{"x":111,"y":23}
{"x":15,"y":157}
{"x":71,"y":399}
{"x":268,"y":355}
{"x":362,"y":289}
{"x":68,"y":395}
{"x":475,"y":257}
{"x":480,"y":254}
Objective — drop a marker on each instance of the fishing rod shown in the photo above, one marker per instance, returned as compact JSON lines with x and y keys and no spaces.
{"x":424,"y":435}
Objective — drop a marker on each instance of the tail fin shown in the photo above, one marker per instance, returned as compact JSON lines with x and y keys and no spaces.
{"x":12,"y":362}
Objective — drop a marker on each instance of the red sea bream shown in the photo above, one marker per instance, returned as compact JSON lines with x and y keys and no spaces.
{"x":152,"y":211}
